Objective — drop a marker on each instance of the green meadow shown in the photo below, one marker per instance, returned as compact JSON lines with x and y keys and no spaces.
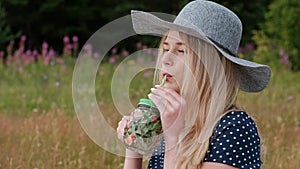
{"x":39,"y":128}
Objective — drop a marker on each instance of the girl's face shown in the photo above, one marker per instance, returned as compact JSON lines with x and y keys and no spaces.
{"x":173,"y":60}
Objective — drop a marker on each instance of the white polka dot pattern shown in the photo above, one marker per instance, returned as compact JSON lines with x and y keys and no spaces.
{"x":157,"y":159}
{"x":235,"y":142}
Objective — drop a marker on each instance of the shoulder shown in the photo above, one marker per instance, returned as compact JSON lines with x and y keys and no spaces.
{"x":237,"y":122}
{"x":235,"y":141}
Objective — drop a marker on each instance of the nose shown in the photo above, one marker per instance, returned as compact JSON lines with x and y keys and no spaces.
{"x":167,"y":59}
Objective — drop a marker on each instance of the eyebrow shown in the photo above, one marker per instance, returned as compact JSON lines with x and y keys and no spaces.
{"x":177,"y":43}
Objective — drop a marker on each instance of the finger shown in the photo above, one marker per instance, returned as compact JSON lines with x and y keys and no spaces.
{"x":163,"y":93}
{"x":161,"y":101}
{"x":121,"y":126}
{"x":170,"y":91}
{"x":158,"y":101}
{"x":119,"y":132}
{"x":170,"y":95}
{"x":164,"y":106}
{"x":120,"y":136}
{"x":176,"y":100}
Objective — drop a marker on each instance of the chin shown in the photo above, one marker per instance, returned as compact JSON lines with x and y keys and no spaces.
{"x":172,"y":86}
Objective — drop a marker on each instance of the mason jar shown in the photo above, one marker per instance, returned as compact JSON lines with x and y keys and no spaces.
{"x":144,"y":132}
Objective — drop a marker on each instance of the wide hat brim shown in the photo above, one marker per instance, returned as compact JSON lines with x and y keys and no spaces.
{"x":253,"y":77}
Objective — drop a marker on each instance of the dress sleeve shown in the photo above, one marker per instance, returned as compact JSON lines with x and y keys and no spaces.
{"x":235,"y":142}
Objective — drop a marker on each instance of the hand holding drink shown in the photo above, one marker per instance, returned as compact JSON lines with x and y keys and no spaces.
{"x":142,"y":131}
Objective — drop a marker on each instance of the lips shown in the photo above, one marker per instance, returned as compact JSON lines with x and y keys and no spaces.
{"x":167,"y":74}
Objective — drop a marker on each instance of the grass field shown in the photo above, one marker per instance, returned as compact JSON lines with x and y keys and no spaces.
{"x":39,"y":129}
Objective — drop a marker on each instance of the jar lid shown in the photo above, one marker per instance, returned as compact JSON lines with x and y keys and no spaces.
{"x":147,"y":102}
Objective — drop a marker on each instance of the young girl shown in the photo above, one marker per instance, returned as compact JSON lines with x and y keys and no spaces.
{"x":202,"y":127}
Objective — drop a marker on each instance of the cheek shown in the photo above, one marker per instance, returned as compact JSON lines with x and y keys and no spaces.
{"x":180,"y":71}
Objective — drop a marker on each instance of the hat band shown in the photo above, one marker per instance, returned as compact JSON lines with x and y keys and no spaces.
{"x":222,"y":47}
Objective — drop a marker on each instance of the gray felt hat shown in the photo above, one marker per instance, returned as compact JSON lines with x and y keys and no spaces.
{"x":215,"y":24}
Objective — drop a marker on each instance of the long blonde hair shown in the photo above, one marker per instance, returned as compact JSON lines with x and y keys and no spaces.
{"x":209,"y":88}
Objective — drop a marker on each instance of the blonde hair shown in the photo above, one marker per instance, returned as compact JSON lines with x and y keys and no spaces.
{"x":210,"y":89}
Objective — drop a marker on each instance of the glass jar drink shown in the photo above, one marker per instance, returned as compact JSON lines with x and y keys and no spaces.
{"x":144,"y":132}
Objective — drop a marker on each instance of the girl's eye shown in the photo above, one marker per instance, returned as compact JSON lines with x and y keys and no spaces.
{"x":181,"y":51}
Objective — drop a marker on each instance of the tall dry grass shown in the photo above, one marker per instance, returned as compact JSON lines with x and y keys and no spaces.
{"x":276,"y":111}
{"x":49,"y":141}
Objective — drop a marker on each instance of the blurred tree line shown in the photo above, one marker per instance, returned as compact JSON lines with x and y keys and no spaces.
{"x":51,"y":20}
{"x":277,"y":39}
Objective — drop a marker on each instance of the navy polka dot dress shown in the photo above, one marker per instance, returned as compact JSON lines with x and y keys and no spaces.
{"x":235,"y":142}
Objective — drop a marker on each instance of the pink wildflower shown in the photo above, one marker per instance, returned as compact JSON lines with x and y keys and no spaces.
{"x":75,"y":44}
{"x":21,"y":49}
{"x":284,"y":58}
{"x":147,"y":74}
{"x":125,"y":53}
{"x":51,"y":53}
{"x":46,"y":61}
{"x":23,"y":38}
{"x":112,"y":60}
{"x":114,"y":50}
{"x":66,"y":39}
{"x":1,"y":54}
{"x":45,"y":45}
{"x":240,"y":50}
{"x":35,"y":52}
{"x":59,"y":60}
{"x":44,"y":51}
{"x":281,"y":52}
{"x":249,"y":47}
{"x":139,"y":45}
{"x":28,"y":52}
{"x":87,"y":47}
{"x":31,"y":58}
{"x":69,"y":46}
{"x":96,"y":55}
{"x":75,"y":38}
{"x":10,"y":46}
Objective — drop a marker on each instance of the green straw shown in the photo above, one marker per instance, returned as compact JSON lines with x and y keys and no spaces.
{"x":163,"y":81}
